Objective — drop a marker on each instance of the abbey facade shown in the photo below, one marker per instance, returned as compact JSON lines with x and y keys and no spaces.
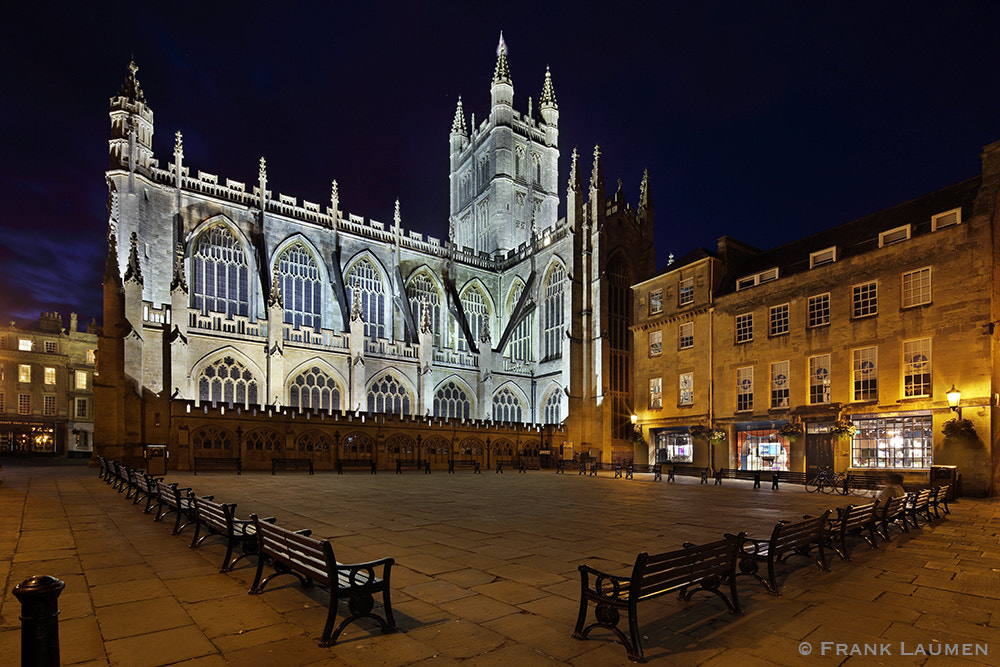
{"x":230,"y":309}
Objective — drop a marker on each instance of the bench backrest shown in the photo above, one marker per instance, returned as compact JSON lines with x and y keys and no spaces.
{"x":858,"y":516}
{"x":310,"y":557}
{"x":213,"y":514}
{"x":655,"y":575}
{"x":922,"y":498}
{"x":893,"y":507}
{"x":169,"y":494}
{"x":790,"y":536}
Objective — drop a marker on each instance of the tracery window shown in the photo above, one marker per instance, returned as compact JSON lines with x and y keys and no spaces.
{"x":519,"y":347}
{"x":301,"y":288}
{"x":507,"y":406}
{"x":221,"y":274}
{"x":388,"y":396}
{"x":228,"y":381}
{"x":553,"y":408}
{"x":366,"y":285}
{"x":451,"y":402}
{"x":314,"y":389}
{"x":212,"y":437}
{"x":476,"y":312}
{"x":553,"y":312}
{"x":422,"y":289}
{"x":357,"y":443}
{"x":264,"y":439}
{"x":314,"y":441}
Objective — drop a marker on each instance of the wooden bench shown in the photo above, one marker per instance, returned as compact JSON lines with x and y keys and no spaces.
{"x":144,"y":488}
{"x":853,"y":521}
{"x":290,"y":463}
{"x":788,"y":477}
{"x":939,"y":499}
{"x":463,"y":463}
{"x":119,"y":476}
{"x":705,"y":567}
{"x":362,"y":464}
{"x":312,"y":561}
{"x":687,"y":471}
{"x":892,"y":513}
{"x":787,"y":540}
{"x":102,"y":467}
{"x":220,"y":519}
{"x":510,"y":463}
{"x":735,"y":473}
{"x":412,"y":464}
{"x":918,"y":506}
{"x":654,"y":468}
{"x":218,"y":463}
{"x":171,"y":498}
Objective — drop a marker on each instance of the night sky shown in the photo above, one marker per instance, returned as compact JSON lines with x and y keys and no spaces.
{"x":764,"y":121}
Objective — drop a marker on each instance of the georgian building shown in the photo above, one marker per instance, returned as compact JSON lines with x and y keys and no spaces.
{"x":222,"y":295}
{"x":46,"y":388}
{"x":857,"y":334}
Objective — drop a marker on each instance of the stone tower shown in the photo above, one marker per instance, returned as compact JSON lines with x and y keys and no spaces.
{"x":504,"y":172}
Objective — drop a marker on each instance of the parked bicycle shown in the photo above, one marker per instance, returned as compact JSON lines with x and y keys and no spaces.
{"x":827,"y":481}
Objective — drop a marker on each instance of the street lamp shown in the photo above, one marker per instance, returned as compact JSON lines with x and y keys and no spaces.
{"x":635,"y":420}
{"x":954,"y":396}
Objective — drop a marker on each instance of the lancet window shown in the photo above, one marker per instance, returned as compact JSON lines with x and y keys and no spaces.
{"x":221,"y":274}
{"x":301,"y":288}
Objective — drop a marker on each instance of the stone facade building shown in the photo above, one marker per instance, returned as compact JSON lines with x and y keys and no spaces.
{"x":46,"y":388}
{"x":225,"y":301}
{"x":855,"y":334}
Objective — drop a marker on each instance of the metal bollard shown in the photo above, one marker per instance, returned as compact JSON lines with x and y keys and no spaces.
{"x":39,"y":620}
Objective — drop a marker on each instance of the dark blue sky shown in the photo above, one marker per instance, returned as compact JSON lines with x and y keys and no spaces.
{"x":760,"y":120}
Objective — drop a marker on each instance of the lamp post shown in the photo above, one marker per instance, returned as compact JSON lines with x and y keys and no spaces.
{"x":954,"y":396}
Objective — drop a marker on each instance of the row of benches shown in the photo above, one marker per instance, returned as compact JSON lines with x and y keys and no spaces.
{"x":711,"y":567}
{"x":286,"y":551}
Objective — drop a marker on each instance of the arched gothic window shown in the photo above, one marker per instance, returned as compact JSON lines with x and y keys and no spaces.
{"x":553,"y":408}
{"x":221,"y":274}
{"x":228,"y":381}
{"x":519,"y":162}
{"x":553,"y":312}
{"x":537,"y":160}
{"x":507,"y":406}
{"x":519,"y":346}
{"x":315,"y":390}
{"x":212,"y":437}
{"x":451,"y":402}
{"x":476,"y":312}
{"x":366,"y":284}
{"x":422,"y":288}
{"x":388,"y":396}
{"x":301,"y":287}
{"x":264,"y":439}
{"x":314,"y":441}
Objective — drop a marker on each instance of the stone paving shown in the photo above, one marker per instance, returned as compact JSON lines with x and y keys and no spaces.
{"x":486,"y":573}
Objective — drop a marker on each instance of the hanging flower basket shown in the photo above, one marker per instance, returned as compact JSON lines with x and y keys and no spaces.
{"x":959,"y":430}
{"x":791,"y":430}
{"x":699,"y":432}
{"x":842,"y":428}
{"x":717,"y":435}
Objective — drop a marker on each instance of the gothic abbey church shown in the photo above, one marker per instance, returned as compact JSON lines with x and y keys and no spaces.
{"x":243,"y":320}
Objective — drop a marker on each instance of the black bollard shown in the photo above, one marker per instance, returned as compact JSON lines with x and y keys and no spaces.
{"x":39,"y":598}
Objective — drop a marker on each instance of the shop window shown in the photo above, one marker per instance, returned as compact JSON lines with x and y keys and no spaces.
{"x":893,"y":442}
{"x":673,"y":448}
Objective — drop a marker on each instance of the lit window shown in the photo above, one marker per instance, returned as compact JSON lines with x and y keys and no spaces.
{"x":24,"y":344}
{"x":314,"y":389}
{"x":686,"y":395}
{"x":865,"y":299}
{"x":819,"y":310}
{"x":779,"y":384}
{"x":685,"y":291}
{"x":744,"y":389}
{"x":685,"y":335}
{"x":451,"y":402}
{"x":917,"y":287}
{"x":655,"y":343}
{"x":365,"y":284}
{"x":227,"y":381}
{"x":301,"y":288}
{"x":656,"y":302}
{"x":917,"y":367}
{"x":821,"y":257}
{"x":81,"y":380}
{"x":91,"y":356}
{"x":819,"y":379}
{"x":50,"y":347}
{"x":865,"y":374}
{"x":221,"y":274}
{"x":893,"y":442}
{"x":946,"y":219}
{"x":387,"y":395}
{"x":744,"y":328}
{"x":893,"y":236}
{"x":655,"y":393}
{"x":779,"y":320}
{"x":50,"y":375}
{"x":24,"y":373}
{"x":48,"y":405}
{"x":507,"y":407}
{"x":24,"y":404}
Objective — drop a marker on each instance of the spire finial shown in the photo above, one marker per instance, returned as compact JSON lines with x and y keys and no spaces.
{"x":132,"y":270}
{"x":396,"y":217}
{"x":548,"y":98}
{"x":596,"y":178}
{"x":262,"y":171}
{"x":501,"y":74}
{"x":574,"y":171}
{"x":458,"y":124}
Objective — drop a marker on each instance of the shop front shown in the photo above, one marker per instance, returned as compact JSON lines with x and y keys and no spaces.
{"x":758,"y":446}
{"x":672,"y":445}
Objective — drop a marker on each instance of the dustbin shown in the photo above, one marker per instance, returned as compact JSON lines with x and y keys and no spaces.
{"x":156,"y":459}
{"x":941,"y":475}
